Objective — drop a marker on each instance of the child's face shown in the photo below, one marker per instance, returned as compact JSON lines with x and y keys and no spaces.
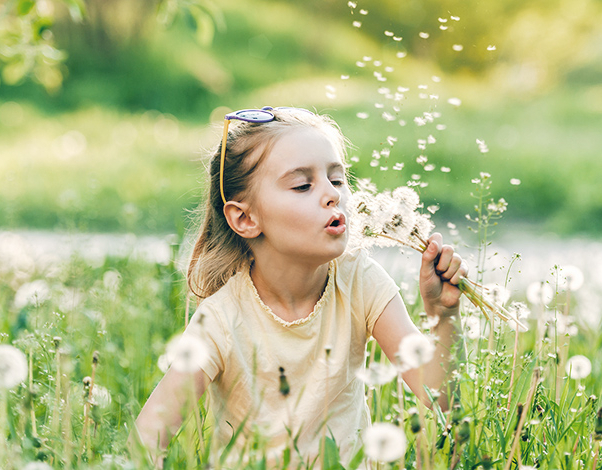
{"x":299,"y":198}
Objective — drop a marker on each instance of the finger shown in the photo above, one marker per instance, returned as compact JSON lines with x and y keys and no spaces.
{"x":460,"y":273}
{"x":445,"y":259}
{"x":433,"y":248}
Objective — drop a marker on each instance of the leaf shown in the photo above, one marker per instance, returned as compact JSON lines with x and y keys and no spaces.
{"x":25,"y":7}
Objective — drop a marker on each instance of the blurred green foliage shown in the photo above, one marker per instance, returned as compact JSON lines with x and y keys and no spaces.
{"x":127,"y":76}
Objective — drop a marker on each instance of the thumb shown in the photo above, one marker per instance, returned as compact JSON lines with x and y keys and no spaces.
{"x":430,"y":255}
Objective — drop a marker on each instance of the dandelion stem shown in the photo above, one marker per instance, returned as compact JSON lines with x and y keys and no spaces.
{"x":512,"y":370}
{"x":523,"y":418}
{"x":32,"y":411}
{"x":597,"y":455}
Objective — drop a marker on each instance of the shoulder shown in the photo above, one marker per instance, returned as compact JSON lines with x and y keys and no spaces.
{"x":356,"y":268}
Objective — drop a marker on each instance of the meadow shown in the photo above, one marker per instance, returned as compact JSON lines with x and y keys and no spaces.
{"x":112,"y":135}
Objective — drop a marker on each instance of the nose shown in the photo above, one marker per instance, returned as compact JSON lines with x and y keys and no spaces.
{"x":332,"y":195}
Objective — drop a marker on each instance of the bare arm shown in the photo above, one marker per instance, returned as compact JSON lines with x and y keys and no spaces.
{"x":164,"y":411}
{"x":439,"y":274}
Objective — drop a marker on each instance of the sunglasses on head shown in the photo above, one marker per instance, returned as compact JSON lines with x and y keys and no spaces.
{"x":248,"y":115}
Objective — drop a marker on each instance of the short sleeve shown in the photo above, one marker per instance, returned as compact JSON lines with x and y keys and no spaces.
{"x":206,"y":324}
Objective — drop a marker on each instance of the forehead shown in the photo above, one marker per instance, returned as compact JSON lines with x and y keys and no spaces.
{"x":301,"y":147}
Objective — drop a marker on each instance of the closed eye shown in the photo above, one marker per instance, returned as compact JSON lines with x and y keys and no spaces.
{"x":302,"y":188}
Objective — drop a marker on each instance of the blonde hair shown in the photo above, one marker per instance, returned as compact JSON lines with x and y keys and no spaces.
{"x":219,"y":252}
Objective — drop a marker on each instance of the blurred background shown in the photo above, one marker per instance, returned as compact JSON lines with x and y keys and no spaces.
{"x":108,"y":107}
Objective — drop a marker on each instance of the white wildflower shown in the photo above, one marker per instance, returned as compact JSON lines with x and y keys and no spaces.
{"x":384,"y":442}
{"x":415,"y":350}
{"x":578,"y":367}
{"x":111,"y":280}
{"x":496,"y":293}
{"x":13,"y":366}
{"x":377,"y":374}
{"x":520,"y":311}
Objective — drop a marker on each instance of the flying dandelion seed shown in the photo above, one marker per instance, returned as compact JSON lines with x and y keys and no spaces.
{"x":401,"y":55}
{"x":432,"y":209}
{"x":352,"y":4}
{"x":422,"y":159}
{"x":402,"y":89}
{"x":455,"y":101}
{"x":515,"y":181}
{"x":362,"y":115}
{"x":420,"y":121}
{"x":430,"y":140}
{"x":424,"y":35}
{"x":402,"y":123}
{"x":491,"y":48}
{"x":436,"y":79}
{"x":389,"y":69}
{"x":397,"y":38}
{"x":363,"y":12}
{"x":445,"y":169}
{"x":13,"y":366}
{"x":578,"y":367}
{"x":344,"y":77}
{"x":429,"y":167}
{"x":391,"y":140}
{"x":389,"y":33}
{"x":455,"y":18}
{"x":377,"y":63}
{"x":434,"y":97}
{"x":357,"y":24}
{"x":384,"y":442}
{"x":440,"y":127}
{"x":388,"y":117}
{"x":457,"y":47}
{"x":442,"y":20}
{"x":443,"y":28}
{"x":398,"y":166}
{"x":355,"y":159}
{"x":374,"y":163}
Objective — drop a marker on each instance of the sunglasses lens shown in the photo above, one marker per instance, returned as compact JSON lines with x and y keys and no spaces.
{"x":251,"y":115}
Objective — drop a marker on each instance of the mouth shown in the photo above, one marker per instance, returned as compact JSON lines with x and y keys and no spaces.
{"x":336,"y":225}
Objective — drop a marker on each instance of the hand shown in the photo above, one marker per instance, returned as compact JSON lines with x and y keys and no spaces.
{"x":440,"y":273}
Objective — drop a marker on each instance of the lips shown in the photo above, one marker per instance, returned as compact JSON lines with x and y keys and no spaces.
{"x":336,"y":225}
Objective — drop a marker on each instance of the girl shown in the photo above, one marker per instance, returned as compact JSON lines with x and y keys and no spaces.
{"x":285,"y":308}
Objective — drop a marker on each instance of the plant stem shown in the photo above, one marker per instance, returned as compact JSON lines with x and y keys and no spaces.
{"x":514,"y":354}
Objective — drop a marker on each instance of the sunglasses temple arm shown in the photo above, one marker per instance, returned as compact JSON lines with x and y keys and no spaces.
{"x":222,"y":160}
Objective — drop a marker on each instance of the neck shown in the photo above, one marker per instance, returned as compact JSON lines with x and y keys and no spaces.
{"x":290,"y":290}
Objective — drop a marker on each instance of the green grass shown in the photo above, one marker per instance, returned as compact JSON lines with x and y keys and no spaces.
{"x":128,"y":322}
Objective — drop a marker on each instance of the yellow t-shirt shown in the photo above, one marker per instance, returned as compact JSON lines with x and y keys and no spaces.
{"x":248,"y":344}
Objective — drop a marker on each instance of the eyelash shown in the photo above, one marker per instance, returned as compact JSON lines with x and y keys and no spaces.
{"x":305,"y":187}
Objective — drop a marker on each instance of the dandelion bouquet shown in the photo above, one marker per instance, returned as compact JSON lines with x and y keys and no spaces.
{"x":393,"y":218}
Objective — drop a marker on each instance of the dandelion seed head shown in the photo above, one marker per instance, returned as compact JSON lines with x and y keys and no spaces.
{"x":415,"y":350}
{"x":13,"y":366}
{"x":578,"y":367}
{"x":540,"y":293}
{"x":571,"y":278}
{"x":101,"y":396}
{"x":33,"y":293}
{"x":472,"y":327}
{"x":187,"y":353}
{"x":377,"y":374}
{"x":384,"y":442}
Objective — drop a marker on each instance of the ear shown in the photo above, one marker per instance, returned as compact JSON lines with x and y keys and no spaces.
{"x":238,"y":217}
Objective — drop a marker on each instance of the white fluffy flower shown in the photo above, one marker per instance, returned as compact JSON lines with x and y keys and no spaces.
{"x":415,"y":350}
{"x":540,"y":293}
{"x":472,"y":327}
{"x":496,"y":293}
{"x":101,"y":397}
{"x":384,"y":442}
{"x":13,"y":366}
{"x":32,"y":293}
{"x":571,"y":278}
{"x":578,"y":367}
{"x":519,"y":311}
{"x":377,"y":374}
{"x":187,"y":353}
